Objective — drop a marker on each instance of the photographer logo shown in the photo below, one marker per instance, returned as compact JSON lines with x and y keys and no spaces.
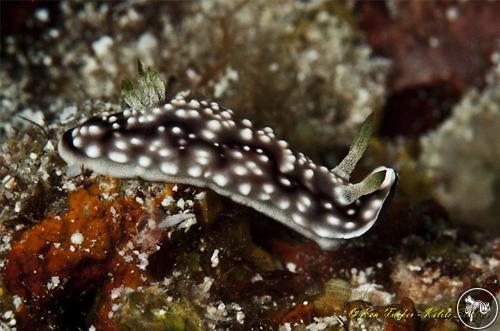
{"x":477,"y":308}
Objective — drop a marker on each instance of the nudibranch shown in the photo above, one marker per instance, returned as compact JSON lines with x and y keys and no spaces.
{"x":199,"y":143}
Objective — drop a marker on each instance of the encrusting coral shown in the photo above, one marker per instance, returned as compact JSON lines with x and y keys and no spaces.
{"x":463,"y":158}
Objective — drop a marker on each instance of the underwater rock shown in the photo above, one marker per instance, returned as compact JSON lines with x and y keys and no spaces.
{"x":305,"y":60}
{"x":151,"y":309}
{"x":334,"y":297}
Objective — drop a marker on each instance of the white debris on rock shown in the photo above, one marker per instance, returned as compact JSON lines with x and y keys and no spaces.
{"x":167,"y":201}
{"x":292,"y":267}
{"x":176,"y":219}
{"x":321,"y":323}
{"x":373,"y":294}
{"x":77,"y":238}
{"x":285,"y":327}
{"x":215,"y":258}
{"x":53,"y":283}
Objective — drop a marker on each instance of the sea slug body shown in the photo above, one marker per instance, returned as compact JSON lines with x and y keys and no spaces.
{"x":199,"y":143}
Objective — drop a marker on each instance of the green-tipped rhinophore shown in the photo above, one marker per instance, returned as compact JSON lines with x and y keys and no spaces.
{"x":356,"y":151}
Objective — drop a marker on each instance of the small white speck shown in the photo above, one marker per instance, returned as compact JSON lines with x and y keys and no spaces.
{"x":117,"y":157}
{"x":264,"y":196}
{"x":245,"y":188}
{"x":220,"y":180}
{"x":246,"y":123}
{"x":161,"y":128}
{"x":94,"y":130}
{"x":283,"y":144}
{"x":169,"y":168}
{"x":131,"y":120}
{"x":194,"y":104}
{"x":182,"y":113}
{"x":335,"y":221}
{"x":93,"y":151}
{"x":164,"y":152}
{"x":297,"y":218}
{"x":308,"y":173}
{"x":368,"y":214}
{"x":214,"y":125}
{"x":102,"y":46}
{"x":376,"y":204}
{"x":84,"y":130}
{"x":77,"y":142}
{"x":42,"y":15}
{"x":292,"y":267}
{"x":167,"y":201}
{"x":215,"y":258}
{"x":240,"y":317}
{"x":214,"y":106}
{"x":434,"y":42}
{"x":193,"y":113}
{"x":246,"y":134}
{"x":136,"y":141}
{"x":350,"y":225}
{"x":268,"y":188}
{"x":53,"y":283}
{"x":285,"y":181}
{"x":176,"y":130}
{"x":306,"y":200}
{"x":240,"y":170}
{"x":264,"y":158}
{"x":194,"y":171}
{"x":76,"y":238}
{"x":265,"y":139}
{"x":8,"y":314}
{"x":452,"y":13}
{"x":144,"y":161}
{"x":17,"y":302}
{"x":120,"y":144}
{"x":237,"y":154}
{"x":284,"y":204}
{"x":286,"y":167}
{"x":226,"y":115}
{"x":207,"y":134}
